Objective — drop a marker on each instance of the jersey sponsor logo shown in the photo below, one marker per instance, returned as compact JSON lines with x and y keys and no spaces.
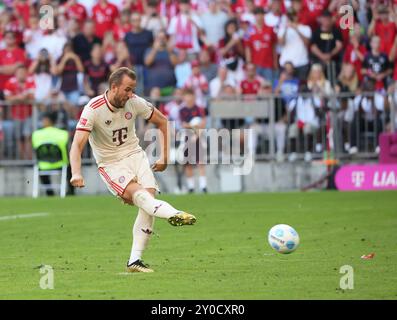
{"x":120,"y":135}
{"x":83,"y":121}
{"x":128,"y":115}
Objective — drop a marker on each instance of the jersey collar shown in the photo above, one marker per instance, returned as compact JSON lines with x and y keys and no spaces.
{"x":108,"y":104}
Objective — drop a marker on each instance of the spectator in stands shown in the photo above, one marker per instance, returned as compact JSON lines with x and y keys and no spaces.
{"x":151,"y":20}
{"x":207,"y":67}
{"x":347,"y":84}
{"x":33,"y":37}
{"x":231,"y":48}
{"x":171,"y":108}
{"x":326,"y":45}
{"x":122,"y":25}
{"x":83,"y":42}
{"x":19,"y":91}
{"x":122,"y":58}
{"x":105,"y":15}
{"x":376,"y":66}
{"x":74,"y":10}
{"x":138,"y":40}
{"x":301,"y":10}
{"x":274,"y":17}
{"x":43,"y":69}
{"x":54,"y":40}
{"x":160,"y":60}
{"x":261,"y":47}
{"x":321,"y":89}
{"x":355,"y":50}
{"x":168,"y":8}
{"x":185,"y":29}
{"x":367,"y":117}
{"x":312,"y":10}
{"x":108,"y":47}
{"x":303,"y":123}
{"x":194,"y":146}
{"x":198,"y":83}
{"x":252,"y":83}
{"x":383,"y":27}
{"x":218,"y":85}
{"x":69,"y":70}
{"x":213,"y":22}
{"x":183,"y":68}
{"x":287,"y":86}
{"x":96,"y":71}
{"x":294,"y":39}
{"x":11,"y":58}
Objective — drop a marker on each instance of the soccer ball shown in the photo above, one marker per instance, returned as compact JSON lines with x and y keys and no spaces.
{"x":283,"y":238}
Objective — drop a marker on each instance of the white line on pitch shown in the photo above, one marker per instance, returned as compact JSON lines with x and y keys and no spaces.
{"x":24,"y":216}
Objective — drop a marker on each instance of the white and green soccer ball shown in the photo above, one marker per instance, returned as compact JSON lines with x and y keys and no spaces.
{"x":283,"y":238}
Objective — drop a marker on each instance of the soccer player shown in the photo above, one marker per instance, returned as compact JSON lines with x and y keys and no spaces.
{"x":108,"y":122}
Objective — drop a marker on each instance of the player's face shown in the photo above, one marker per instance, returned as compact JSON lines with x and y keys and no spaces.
{"x":124,"y":91}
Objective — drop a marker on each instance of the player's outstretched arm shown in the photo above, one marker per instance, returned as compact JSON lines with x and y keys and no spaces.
{"x":162,"y":124}
{"x":79,"y":142}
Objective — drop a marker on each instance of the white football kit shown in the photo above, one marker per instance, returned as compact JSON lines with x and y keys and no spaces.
{"x":114,"y":143}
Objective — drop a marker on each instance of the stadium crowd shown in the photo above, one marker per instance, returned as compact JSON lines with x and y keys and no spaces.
{"x":60,"y":53}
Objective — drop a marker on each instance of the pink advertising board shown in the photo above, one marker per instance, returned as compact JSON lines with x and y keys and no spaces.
{"x":367,"y":177}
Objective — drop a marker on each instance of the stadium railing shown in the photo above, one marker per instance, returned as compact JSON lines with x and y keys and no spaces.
{"x":341,"y":123}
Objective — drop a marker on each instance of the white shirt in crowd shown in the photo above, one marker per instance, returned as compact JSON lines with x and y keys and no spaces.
{"x":294,"y":49}
{"x":213,"y":25}
{"x":215,"y":85}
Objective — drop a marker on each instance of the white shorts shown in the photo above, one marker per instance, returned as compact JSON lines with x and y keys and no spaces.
{"x":136,"y":168}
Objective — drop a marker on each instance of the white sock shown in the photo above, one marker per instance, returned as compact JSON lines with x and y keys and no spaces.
{"x":154,"y":207}
{"x":190,"y":183}
{"x":141,"y":234}
{"x":203,"y":182}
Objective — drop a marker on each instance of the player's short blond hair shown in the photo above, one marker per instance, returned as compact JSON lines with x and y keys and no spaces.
{"x":117,"y":76}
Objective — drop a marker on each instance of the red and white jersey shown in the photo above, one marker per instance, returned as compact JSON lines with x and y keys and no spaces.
{"x":113,"y":136}
{"x":251,"y":86}
{"x":12,"y":88}
{"x":76,"y":11}
{"x":104,"y":18}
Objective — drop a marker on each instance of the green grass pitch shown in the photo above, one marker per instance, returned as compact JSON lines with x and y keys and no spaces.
{"x":87,"y":241}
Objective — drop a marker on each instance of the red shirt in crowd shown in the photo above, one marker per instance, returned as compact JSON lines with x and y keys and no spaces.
{"x":8,"y":58}
{"x":261,"y":44}
{"x":23,"y":10}
{"x":387,"y":32}
{"x":350,"y":56}
{"x":12,"y":88}
{"x":313,"y":10}
{"x":104,"y":17}
{"x":251,"y":86}
{"x":119,"y":31}
{"x":76,"y":11}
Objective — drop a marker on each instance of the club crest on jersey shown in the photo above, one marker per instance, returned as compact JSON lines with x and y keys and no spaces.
{"x":108,"y":122}
{"x":121,"y":179}
{"x":128,"y":115}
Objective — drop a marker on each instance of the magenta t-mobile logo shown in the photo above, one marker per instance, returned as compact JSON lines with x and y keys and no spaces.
{"x":358,"y":178}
